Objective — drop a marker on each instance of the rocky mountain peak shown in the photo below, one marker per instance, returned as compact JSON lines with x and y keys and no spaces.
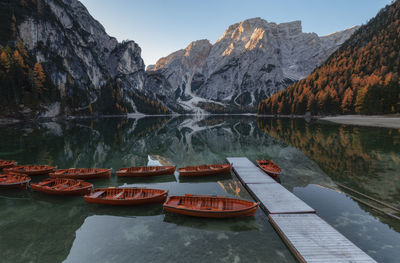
{"x":243,"y":30}
{"x":290,"y":29}
{"x":254,"y":27}
{"x":251,"y":60}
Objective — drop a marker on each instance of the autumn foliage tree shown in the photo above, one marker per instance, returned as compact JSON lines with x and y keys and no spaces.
{"x":362,"y":76}
{"x":39,"y":77}
{"x":22,"y":79}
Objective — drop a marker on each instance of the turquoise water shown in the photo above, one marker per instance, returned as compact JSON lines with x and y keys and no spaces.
{"x":314,"y":157}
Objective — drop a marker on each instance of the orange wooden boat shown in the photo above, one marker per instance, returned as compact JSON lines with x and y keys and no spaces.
{"x":210,"y":206}
{"x":202,"y":170}
{"x":13,"y":180}
{"x":144,"y":171}
{"x":81,"y":173}
{"x":126,"y":196}
{"x":31,"y":170}
{"x":7,"y":164}
{"x":270,"y":168}
{"x":62,"y":186}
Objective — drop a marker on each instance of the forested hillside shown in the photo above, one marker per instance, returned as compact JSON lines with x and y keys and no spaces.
{"x":362,"y":76}
{"x":23,"y":80}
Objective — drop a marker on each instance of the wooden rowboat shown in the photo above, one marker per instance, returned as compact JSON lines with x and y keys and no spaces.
{"x":7,"y":164}
{"x":126,"y":196}
{"x":202,"y":170}
{"x":31,"y":170}
{"x":210,"y":206}
{"x":270,"y":168}
{"x":62,"y":186}
{"x":144,"y":171}
{"x":81,"y":173}
{"x":13,"y":180}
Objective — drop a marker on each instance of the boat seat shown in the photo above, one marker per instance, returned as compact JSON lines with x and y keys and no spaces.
{"x":118,"y":195}
{"x":97,"y":194}
{"x":199,"y":204}
{"x":60,"y":186}
{"x":75,"y":185}
{"x":220,"y":205}
{"x":138,"y":194}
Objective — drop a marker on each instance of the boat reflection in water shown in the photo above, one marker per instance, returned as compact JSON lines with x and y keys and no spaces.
{"x":310,"y":154}
{"x":215,"y":225}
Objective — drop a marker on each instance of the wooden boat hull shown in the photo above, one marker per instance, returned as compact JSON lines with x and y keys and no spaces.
{"x":60,"y":187}
{"x":210,"y":206}
{"x":205,"y":170}
{"x":146,"y":171}
{"x":74,"y":174}
{"x":14,"y":181}
{"x":4,"y":164}
{"x":31,"y":170}
{"x":108,"y":196}
{"x":273,"y":173}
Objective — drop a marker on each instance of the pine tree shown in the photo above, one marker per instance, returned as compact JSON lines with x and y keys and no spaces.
{"x":13,"y":27}
{"x":347,"y":103}
{"x":312,"y":105}
{"x":21,"y":49}
{"x":361,"y":100}
{"x":38,"y":77}
{"x":18,"y":60}
{"x":4,"y":62}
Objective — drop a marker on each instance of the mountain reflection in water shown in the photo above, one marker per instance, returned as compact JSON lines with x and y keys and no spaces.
{"x":313,"y":156}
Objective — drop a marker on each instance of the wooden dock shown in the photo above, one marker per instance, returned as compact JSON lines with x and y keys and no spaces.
{"x":307,"y":235}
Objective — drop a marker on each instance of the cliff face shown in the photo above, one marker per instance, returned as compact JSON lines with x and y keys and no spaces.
{"x":79,"y":58}
{"x":251,"y":60}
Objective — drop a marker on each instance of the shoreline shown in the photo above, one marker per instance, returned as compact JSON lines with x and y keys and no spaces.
{"x":383,"y":121}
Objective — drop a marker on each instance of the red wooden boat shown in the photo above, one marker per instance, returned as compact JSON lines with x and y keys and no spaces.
{"x":31,"y":170}
{"x":7,"y":164}
{"x":126,"y":196}
{"x":210,"y":206}
{"x":13,"y":180}
{"x":81,"y":173}
{"x":270,"y":168}
{"x":62,"y":186}
{"x":202,"y":170}
{"x":144,"y":171}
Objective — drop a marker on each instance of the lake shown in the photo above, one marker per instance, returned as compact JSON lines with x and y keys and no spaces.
{"x":316,"y":158}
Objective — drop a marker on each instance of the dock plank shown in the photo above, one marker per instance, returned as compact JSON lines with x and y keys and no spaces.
{"x":273,"y":197}
{"x":248,"y":171}
{"x":253,"y":176}
{"x":311,"y":239}
{"x":278,"y":200}
{"x":240,"y":162}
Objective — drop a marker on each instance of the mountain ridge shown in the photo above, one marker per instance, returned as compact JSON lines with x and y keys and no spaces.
{"x":236,"y":69}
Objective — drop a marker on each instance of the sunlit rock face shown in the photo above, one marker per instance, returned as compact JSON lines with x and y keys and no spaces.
{"x":78,"y":54}
{"x":251,"y":60}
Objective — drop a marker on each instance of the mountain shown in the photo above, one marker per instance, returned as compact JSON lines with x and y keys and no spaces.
{"x":362,"y":76}
{"x":253,"y":59}
{"x":56,"y":59}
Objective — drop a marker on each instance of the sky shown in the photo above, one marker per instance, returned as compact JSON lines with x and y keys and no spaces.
{"x":161,"y":27}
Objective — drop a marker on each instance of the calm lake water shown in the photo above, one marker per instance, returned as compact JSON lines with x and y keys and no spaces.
{"x":315,"y":158}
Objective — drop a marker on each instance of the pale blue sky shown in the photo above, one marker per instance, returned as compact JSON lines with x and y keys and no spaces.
{"x":161,"y":27}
